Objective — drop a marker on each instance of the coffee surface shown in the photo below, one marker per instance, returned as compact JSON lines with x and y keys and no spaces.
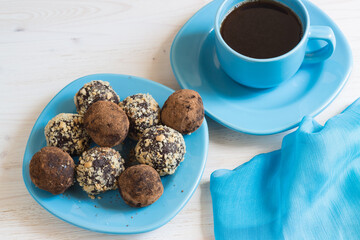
{"x":262,"y":29}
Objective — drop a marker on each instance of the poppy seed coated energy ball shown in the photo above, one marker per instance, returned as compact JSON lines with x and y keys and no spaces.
{"x":143,"y":112}
{"x":140,"y":186}
{"x":162,"y":148}
{"x":92,"y":92}
{"x":99,"y":169}
{"x":66,"y":131}
{"x":106,"y":123}
{"x":183,"y":111}
{"x":52,"y":170}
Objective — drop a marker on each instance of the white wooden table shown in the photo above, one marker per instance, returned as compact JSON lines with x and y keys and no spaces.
{"x":46,"y":44}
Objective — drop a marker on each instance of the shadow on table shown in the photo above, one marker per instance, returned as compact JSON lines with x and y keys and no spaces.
{"x":207,"y":225}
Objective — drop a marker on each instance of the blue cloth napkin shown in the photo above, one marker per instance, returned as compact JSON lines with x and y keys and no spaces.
{"x":309,"y":189}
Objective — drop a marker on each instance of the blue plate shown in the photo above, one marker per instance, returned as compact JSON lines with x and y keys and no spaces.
{"x":110,"y":214}
{"x":255,"y":111}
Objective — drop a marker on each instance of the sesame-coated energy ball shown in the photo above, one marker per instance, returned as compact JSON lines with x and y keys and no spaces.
{"x":106,"y":123}
{"x":99,"y":169}
{"x":66,"y":131}
{"x":183,"y":111}
{"x":52,"y":170}
{"x":140,"y":186}
{"x":162,"y":148}
{"x":143,"y":112}
{"x":92,"y":92}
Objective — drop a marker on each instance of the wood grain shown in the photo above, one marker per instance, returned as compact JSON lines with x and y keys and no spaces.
{"x":46,"y":44}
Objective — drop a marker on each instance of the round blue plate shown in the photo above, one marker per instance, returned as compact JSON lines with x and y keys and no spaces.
{"x":110,"y":214}
{"x":255,"y":111}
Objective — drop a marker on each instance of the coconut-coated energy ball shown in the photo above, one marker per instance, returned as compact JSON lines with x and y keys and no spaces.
{"x":183,"y":111}
{"x":99,"y":169}
{"x":143,"y":112}
{"x":92,"y":92}
{"x":52,"y":170}
{"x":140,"y":186}
{"x":66,"y":131}
{"x":162,"y":148}
{"x":106,"y":123}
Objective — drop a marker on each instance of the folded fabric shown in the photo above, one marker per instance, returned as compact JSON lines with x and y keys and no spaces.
{"x":309,"y":189}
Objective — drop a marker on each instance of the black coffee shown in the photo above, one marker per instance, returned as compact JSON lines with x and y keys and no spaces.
{"x":262,"y":29}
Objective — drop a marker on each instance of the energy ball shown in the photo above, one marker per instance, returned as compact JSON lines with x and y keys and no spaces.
{"x":99,"y":169}
{"x":162,"y":148}
{"x":66,"y":131}
{"x":106,"y":123}
{"x":183,"y":111}
{"x":92,"y":92}
{"x":143,"y":112}
{"x":140,"y":186}
{"x":52,"y":170}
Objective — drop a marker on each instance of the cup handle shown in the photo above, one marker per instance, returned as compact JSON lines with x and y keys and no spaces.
{"x":326,"y":34}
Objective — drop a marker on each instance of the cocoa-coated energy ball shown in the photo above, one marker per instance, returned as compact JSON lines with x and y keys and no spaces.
{"x":106,"y":123}
{"x":143,"y":112}
{"x":183,"y":111}
{"x":92,"y":92}
{"x":66,"y":131}
{"x":52,"y":170}
{"x":99,"y":169}
{"x":140,"y":186}
{"x":162,"y":148}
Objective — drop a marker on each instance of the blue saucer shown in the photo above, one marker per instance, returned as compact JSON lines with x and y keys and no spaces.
{"x":110,"y":214}
{"x":255,"y":111}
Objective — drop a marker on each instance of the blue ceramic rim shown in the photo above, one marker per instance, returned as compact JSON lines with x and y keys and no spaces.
{"x":151,"y":227}
{"x":251,"y":132}
{"x":250,"y":59}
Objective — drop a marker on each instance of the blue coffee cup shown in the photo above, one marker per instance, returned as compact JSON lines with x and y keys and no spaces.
{"x":271,"y":72}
